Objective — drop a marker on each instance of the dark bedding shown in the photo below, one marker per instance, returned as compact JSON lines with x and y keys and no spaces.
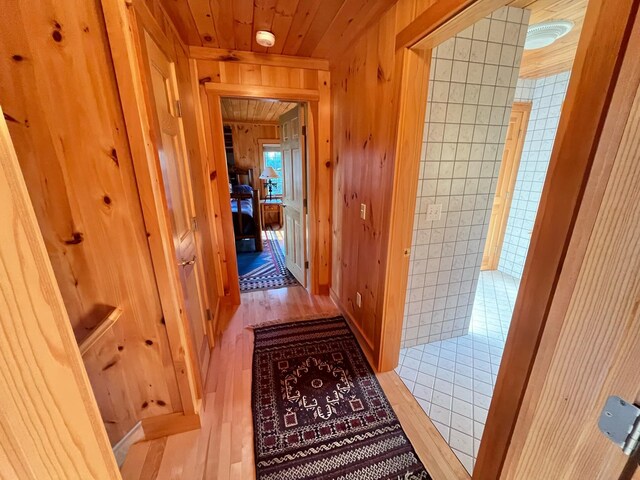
{"x":246,"y":206}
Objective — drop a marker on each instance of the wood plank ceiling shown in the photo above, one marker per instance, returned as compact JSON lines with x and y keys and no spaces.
{"x":307,"y":28}
{"x":557,"y":57}
{"x":244,"y":110}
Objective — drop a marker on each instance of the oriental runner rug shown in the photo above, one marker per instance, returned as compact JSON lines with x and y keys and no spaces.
{"x":267,"y":269}
{"x":318,"y":410}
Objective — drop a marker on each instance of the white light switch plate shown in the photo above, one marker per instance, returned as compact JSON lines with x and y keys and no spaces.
{"x":358,"y":299}
{"x":434,"y":212}
{"x":363,"y":211}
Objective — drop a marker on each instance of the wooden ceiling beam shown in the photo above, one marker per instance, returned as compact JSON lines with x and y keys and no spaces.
{"x":223,"y":55}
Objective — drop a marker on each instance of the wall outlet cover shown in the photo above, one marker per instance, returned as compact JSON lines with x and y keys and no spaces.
{"x":434,"y":212}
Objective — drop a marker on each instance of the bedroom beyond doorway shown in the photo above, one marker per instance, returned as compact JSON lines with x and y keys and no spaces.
{"x":265,"y":157}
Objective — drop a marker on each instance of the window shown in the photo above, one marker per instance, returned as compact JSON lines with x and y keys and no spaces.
{"x":273,"y":158}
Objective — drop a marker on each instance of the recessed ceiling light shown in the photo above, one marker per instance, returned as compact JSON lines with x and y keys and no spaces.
{"x":545,"y":33}
{"x":266,"y":39}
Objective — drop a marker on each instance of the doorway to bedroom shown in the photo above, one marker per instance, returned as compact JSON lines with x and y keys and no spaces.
{"x":265,"y":156}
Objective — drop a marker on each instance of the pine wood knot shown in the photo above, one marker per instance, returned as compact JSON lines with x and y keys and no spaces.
{"x":107,"y":200}
{"x":149,"y":342}
{"x":17,"y":58}
{"x":57,"y":36}
{"x":76,"y":238}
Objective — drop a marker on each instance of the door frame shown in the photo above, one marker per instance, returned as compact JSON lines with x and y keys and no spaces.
{"x":144,"y":37}
{"x":317,"y":102}
{"x":601,"y":49}
{"x":125,"y":29}
{"x":525,"y":108}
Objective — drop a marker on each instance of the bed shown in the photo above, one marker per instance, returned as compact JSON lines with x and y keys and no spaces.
{"x":245,"y":207}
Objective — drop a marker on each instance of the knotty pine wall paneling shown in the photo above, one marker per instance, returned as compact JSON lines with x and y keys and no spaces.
{"x":246,"y":149}
{"x":364,"y":96}
{"x":60,"y":99}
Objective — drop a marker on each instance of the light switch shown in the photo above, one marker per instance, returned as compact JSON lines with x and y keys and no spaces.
{"x":363,"y":211}
{"x":434,"y":212}
{"x":358,"y":299}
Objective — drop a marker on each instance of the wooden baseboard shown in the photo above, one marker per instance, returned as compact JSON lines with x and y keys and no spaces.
{"x":364,"y":344}
{"x":152,"y":428}
{"x":165,"y":425}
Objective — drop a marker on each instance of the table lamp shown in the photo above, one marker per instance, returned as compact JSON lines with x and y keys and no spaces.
{"x":268,"y":174}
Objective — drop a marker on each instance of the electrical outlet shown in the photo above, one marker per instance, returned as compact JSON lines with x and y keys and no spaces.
{"x":358,"y":299}
{"x":434,"y":212}
{"x":363,"y":211}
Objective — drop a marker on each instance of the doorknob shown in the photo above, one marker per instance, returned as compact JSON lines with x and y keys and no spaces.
{"x":184,"y":263}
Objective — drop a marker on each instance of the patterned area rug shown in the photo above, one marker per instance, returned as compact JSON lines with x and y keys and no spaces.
{"x":319,"y":411}
{"x":266,"y":269}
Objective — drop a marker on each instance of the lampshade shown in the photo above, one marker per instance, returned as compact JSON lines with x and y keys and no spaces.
{"x":268,"y":172}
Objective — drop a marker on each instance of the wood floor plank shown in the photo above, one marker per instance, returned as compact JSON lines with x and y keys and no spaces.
{"x":223,"y":447}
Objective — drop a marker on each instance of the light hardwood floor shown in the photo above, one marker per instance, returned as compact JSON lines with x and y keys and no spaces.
{"x":223,"y":447}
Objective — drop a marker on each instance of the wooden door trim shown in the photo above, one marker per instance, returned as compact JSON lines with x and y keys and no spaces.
{"x":260,"y":91}
{"x":494,"y":259}
{"x":412,"y":67}
{"x":318,"y":172}
{"x":124,"y":29}
{"x":64,"y":435}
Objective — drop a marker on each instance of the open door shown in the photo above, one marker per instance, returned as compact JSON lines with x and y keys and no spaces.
{"x":294,"y":195}
{"x":506,"y":183}
{"x":177,"y":185}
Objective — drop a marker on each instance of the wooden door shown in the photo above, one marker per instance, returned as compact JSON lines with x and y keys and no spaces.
{"x":506,"y":183}
{"x":590,"y":349}
{"x":176,"y":176}
{"x":294,"y":191}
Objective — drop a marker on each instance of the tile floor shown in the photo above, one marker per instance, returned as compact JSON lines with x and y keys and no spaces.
{"x":453,"y":379}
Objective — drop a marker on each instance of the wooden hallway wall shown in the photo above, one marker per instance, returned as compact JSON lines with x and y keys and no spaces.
{"x":365,"y":100}
{"x":60,"y":99}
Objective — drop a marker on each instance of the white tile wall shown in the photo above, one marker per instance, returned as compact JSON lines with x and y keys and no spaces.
{"x":471,"y":88}
{"x":547,"y":95}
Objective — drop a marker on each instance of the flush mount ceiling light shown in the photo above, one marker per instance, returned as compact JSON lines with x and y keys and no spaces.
{"x":545,"y":33}
{"x":266,"y":39}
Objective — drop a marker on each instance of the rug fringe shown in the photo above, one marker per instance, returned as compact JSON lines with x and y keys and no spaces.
{"x":278,"y":321}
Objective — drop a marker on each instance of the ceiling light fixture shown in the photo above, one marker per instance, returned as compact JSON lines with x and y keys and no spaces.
{"x":545,"y":33}
{"x":266,"y":39}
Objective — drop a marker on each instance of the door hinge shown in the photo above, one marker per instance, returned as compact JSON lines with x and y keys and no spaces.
{"x":178,"y":108}
{"x":620,"y":422}
{"x":304,"y":203}
{"x":306,"y":264}
{"x":304,"y":130}
{"x":209,"y":316}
